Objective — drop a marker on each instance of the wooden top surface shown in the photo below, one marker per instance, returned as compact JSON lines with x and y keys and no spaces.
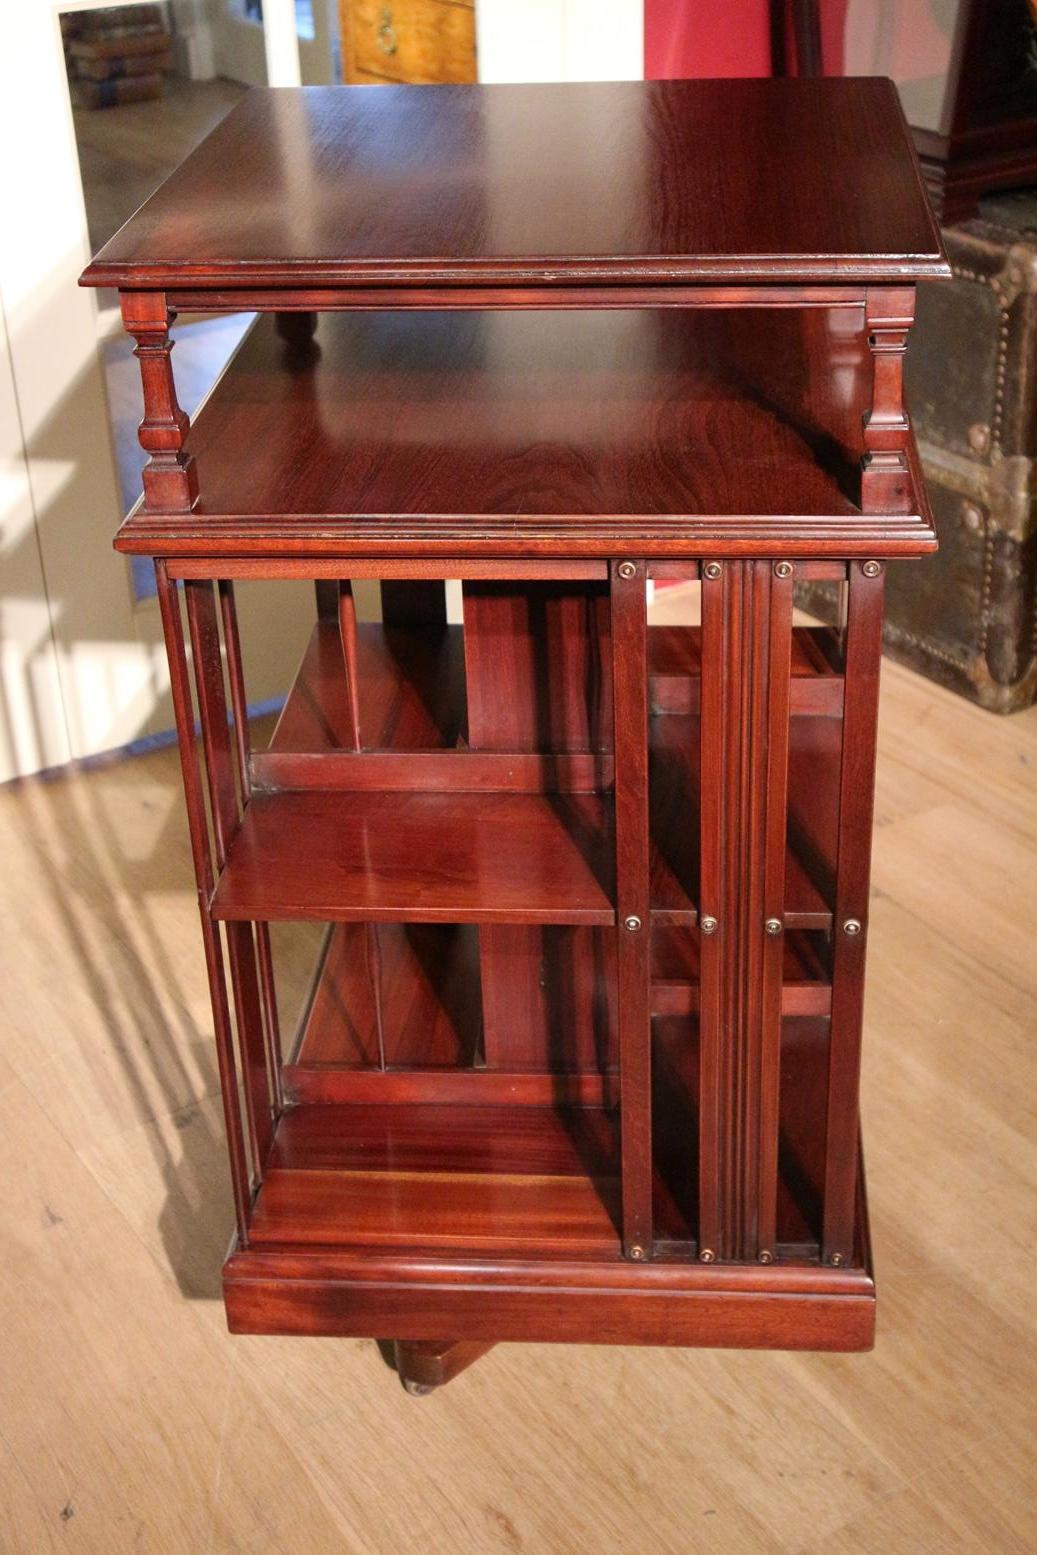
{"x":649,"y":181}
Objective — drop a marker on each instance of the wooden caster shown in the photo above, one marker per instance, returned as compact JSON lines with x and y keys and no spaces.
{"x":426,"y":1364}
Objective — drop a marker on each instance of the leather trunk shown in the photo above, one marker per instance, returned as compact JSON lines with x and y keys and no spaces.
{"x":967,"y":617}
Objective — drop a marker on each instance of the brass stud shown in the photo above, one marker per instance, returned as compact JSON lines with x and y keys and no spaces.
{"x":637,"y":1252}
{"x":773,"y":925}
{"x":707,"y":1255}
{"x":837,"y":1260}
{"x":633,"y":923}
{"x":783,"y":569}
{"x":711,"y":570}
{"x":852,"y":926}
{"x":627,"y":570}
{"x":708,"y":925}
{"x":766,"y":1256}
{"x":871,"y":569}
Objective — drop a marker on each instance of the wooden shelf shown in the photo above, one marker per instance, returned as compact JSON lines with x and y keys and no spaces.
{"x":513,"y":418}
{"x":675,"y":670}
{"x":486,"y":1178}
{"x":420,"y":858}
{"x":806,"y":974}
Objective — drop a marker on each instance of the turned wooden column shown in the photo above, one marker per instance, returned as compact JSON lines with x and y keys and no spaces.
{"x":170,"y":477}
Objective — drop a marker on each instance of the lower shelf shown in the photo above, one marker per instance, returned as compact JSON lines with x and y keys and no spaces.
{"x":423,"y":1177}
{"x":579,"y":1296}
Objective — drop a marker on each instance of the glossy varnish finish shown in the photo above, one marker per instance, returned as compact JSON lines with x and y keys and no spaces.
{"x":579,"y":1059}
{"x":634,"y":181}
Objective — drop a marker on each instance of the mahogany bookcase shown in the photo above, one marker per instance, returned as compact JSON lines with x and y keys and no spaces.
{"x":580,"y":1056}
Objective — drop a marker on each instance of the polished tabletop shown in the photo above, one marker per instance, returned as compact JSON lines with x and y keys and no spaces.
{"x":753,"y":181}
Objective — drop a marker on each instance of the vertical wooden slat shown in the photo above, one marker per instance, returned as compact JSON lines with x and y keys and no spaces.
{"x":633,"y":920}
{"x":347,"y":632}
{"x":223,"y":803}
{"x":239,"y":709}
{"x":778,"y":580}
{"x":746,"y":653}
{"x":351,"y":657}
{"x":169,"y":605}
{"x":714,"y":673}
{"x":856,"y":806}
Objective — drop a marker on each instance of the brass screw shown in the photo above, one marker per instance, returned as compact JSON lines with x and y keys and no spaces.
{"x":783,"y":569}
{"x":711,"y":570}
{"x":852,"y":926}
{"x":707,"y":1255}
{"x":871,"y":569}
{"x":837,"y":1260}
{"x":627,"y":570}
{"x":708,"y":925}
{"x":632,"y":923}
{"x":766,"y":1256}
{"x":637,"y":1252}
{"x":773,"y":925}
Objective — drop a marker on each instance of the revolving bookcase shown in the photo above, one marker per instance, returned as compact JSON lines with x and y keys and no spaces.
{"x":579,"y":1054}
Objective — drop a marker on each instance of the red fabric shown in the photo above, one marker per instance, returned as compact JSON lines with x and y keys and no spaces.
{"x":704,"y":38}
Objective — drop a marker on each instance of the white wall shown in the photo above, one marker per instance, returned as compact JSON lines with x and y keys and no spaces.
{"x":560,"y":40}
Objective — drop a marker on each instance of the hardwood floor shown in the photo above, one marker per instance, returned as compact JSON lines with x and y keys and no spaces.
{"x":130,"y":1420}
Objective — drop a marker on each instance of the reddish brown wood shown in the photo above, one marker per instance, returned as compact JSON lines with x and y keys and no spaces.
{"x":431,"y":858}
{"x":886,"y":473}
{"x":579,"y":1059}
{"x":521,"y":420}
{"x":856,"y":801}
{"x":264,"y":955}
{"x":424,"y":1364}
{"x":170,"y":476}
{"x":633,"y":918}
{"x":540,"y":185}
{"x":341,"y":1085}
{"x":223,"y":809}
{"x":173,"y":628}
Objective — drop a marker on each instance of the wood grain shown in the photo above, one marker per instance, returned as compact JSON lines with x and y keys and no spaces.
{"x":543,"y":184}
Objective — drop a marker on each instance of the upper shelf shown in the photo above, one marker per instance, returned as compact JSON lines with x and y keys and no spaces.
{"x":418,"y":430}
{"x":646,"y":182}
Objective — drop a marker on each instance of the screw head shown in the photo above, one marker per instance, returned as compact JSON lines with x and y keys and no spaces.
{"x":627,"y":570}
{"x":836,"y":1260}
{"x":637,"y":1252}
{"x":783,"y":569}
{"x":852,"y":926}
{"x":711,"y":570}
{"x":633,"y":923}
{"x":707,"y":1255}
{"x":871,"y":569}
{"x":773,"y":925}
{"x":708,"y":925}
{"x":766,"y":1256}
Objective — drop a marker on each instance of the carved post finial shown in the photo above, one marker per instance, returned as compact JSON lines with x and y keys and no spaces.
{"x":170,"y":477}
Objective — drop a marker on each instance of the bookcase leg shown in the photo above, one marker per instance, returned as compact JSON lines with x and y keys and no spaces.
{"x":425,"y":1364}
